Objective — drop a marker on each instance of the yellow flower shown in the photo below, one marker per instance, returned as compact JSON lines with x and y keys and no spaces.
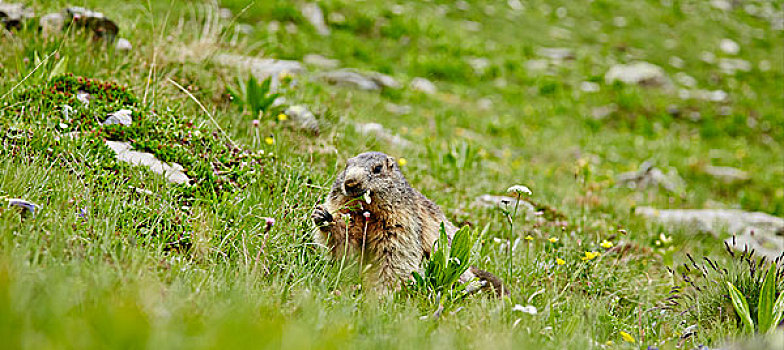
{"x":402,"y":161}
{"x":606,"y":244}
{"x":627,"y":337}
{"x":590,"y":256}
{"x":529,"y":238}
{"x":553,"y":239}
{"x":283,"y":117}
{"x":560,"y":261}
{"x":269,"y":140}
{"x":608,"y":343}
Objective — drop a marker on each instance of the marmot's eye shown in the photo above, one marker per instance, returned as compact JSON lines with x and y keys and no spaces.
{"x":377,"y":169}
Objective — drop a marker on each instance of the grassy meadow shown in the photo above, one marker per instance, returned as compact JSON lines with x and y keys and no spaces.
{"x":117,"y":257}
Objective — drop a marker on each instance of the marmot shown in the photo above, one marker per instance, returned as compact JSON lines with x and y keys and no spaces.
{"x":390,"y":225}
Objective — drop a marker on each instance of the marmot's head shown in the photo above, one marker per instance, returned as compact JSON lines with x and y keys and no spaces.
{"x":372,"y":173}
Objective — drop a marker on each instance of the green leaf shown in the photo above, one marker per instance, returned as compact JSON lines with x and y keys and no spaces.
{"x":59,"y":68}
{"x":766,"y":300}
{"x":777,"y":316}
{"x":741,"y":307}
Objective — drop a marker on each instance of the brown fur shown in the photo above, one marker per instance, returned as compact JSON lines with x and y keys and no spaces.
{"x":400,"y":230}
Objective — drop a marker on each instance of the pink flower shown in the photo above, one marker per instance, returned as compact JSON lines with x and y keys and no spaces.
{"x":255,"y":123}
{"x":269,"y":223}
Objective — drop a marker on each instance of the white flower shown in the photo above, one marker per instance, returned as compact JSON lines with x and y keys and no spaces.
{"x":520,"y":189}
{"x":530,"y":309}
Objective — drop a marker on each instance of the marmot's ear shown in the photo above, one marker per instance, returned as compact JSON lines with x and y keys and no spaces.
{"x":391,"y":162}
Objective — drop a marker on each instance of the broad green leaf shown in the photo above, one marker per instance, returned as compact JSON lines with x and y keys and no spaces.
{"x":778,"y":312}
{"x":59,"y":68}
{"x":766,"y":299}
{"x":741,"y":307}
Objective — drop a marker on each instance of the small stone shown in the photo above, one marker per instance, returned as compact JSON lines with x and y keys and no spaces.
{"x":556,"y":53}
{"x":31,"y":207}
{"x":708,"y":57}
{"x":224,"y":13}
{"x":125,"y":153}
{"x":302,"y":118}
{"x":727,"y":174}
{"x":350,"y":78}
{"x":12,"y":15}
{"x":729,"y":46}
{"x":96,"y":22}
{"x":685,"y":79}
{"x":641,"y":73}
{"x":312,"y":12}
{"x":536,"y":65}
{"x":730,"y":66}
{"x":380,"y":132}
{"x":291,"y":28}
{"x":472,"y":26}
{"x":676,"y":62}
{"x":398,"y":109}
{"x":515,"y":5}
{"x":83,"y":97}
{"x":589,"y":86}
{"x":123,"y":44}
{"x":620,"y":22}
{"x":51,"y":23}
{"x":479,"y":64}
{"x":122,"y":117}
{"x":723,"y":5}
{"x":602,"y":112}
{"x":649,"y":176}
{"x":423,"y":85}
{"x":336,"y":17}
{"x":484,"y":104}
{"x":321,"y":61}
{"x":261,"y":68}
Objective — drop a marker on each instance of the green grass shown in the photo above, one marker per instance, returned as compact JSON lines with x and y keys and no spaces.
{"x":195,"y":266}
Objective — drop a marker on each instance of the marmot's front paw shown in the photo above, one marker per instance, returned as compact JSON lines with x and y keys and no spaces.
{"x":321,"y":217}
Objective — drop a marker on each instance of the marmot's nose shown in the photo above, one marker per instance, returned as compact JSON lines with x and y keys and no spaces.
{"x":351,"y":185}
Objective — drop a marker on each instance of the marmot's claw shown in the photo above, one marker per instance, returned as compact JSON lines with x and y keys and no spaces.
{"x":321,"y":217}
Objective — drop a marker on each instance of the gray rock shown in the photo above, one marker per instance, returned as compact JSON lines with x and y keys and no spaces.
{"x":224,"y":13}
{"x":261,"y":68}
{"x":96,"y":22}
{"x":536,"y":65}
{"x":648,"y":176}
{"x":602,"y":112}
{"x":124,"y":153}
{"x":731,"y":66}
{"x":350,"y":79}
{"x":705,"y":95}
{"x":641,"y":73}
{"x":360,"y":80}
{"x":423,"y":85}
{"x":123,"y":44}
{"x":589,"y":86}
{"x":122,"y":117}
{"x":727,"y":174}
{"x":13,"y":15}
{"x":302,"y":119}
{"x":381,"y":133}
{"x":729,"y":46}
{"x":556,"y":53}
{"x":312,"y":12}
{"x":31,"y":207}
{"x":321,"y":61}
{"x":83,"y":97}
{"x":398,"y":109}
{"x":479,"y":64}
{"x":51,"y":23}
